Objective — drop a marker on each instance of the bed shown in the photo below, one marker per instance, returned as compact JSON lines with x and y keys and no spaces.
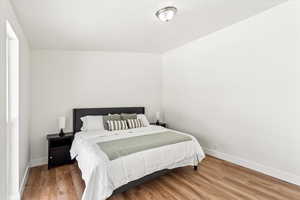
{"x":106,"y":173}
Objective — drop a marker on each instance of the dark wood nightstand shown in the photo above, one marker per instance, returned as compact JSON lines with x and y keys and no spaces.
{"x":160,"y":124}
{"x":59,"y":149}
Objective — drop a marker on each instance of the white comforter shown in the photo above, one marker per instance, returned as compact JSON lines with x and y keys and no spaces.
{"x":103,"y":176}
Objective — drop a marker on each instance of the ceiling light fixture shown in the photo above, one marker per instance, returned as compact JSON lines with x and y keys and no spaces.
{"x":166,"y":14}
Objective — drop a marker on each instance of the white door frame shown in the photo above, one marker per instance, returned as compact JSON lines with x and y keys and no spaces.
{"x":3,"y":159}
{"x":12,"y":112}
{"x":3,"y":146}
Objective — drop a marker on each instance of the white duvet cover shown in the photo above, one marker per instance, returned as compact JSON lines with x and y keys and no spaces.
{"x":103,"y":176}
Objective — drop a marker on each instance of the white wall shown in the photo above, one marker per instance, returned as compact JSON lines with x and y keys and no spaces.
{"x":7,"y":13}
{"x":63,"y":80}
{"x":238,"y":90}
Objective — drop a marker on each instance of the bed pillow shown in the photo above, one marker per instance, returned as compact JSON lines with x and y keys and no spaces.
{"x":135,"y":123}
{"x":92,"y":123}
{"x":115,"y":125}
{"x":144,"y":119}
{"x":110,"y":117}
{"x":114,"y":116}
{"x":125,"y":116}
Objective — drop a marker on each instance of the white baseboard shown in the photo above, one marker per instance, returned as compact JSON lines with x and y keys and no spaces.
{"x":15,"y":197}
{"x":32,"y":163}
{"x":285,"y":176}
{"x":24,"y":181}
{"x":38,"y":161}
{"x":18,"y":196}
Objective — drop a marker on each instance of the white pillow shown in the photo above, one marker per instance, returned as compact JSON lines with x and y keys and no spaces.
{"x":92,"y":123}
{"x":144,"y":119}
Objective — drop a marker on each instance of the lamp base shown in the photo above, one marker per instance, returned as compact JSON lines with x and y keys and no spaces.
{"x":61,"y":133}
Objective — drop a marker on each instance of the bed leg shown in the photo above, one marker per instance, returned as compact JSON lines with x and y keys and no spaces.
{"x":195,"y":168}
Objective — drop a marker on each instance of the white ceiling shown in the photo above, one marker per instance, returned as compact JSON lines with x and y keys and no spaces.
{"x":120,"y":25}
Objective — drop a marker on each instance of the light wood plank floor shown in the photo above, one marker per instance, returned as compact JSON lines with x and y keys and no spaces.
{"x":214,"y":180}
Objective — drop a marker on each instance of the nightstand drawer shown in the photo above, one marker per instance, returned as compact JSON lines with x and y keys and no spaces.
{"x":62,"y":142}
{"x":59,"y":155}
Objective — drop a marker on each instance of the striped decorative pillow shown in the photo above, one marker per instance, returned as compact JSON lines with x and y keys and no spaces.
{"x":115,"y":125}
{"x":135,"y":123}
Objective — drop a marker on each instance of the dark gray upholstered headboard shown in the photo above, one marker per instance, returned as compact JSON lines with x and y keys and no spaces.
{"x":81,"y":112}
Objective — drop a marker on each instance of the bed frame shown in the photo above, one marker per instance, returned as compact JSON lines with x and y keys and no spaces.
{"x":77,"y":124}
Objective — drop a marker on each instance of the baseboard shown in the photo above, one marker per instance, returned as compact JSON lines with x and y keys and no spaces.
{"x":24,"y":180}
{"x":32,"y":163}
{"x":38,"y":161}
{"x":18,"y":196}
{"x":285,"y":176}
{"x":14,"y":197}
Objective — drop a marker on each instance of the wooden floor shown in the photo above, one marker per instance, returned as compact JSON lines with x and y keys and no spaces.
{"x":214,"y":180}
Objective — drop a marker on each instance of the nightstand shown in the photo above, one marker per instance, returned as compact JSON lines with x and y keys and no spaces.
{"x":160,"y":124}
{"x":59,"y":149}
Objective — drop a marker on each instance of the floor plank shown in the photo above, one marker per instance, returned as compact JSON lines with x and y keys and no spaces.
{"x":215,"y":180}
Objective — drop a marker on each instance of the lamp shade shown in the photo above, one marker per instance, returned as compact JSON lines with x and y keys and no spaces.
{"x":157,"y":115}
{"x":61,"y":122}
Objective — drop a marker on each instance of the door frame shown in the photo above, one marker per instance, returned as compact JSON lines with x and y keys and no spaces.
{"x":12,"y":112}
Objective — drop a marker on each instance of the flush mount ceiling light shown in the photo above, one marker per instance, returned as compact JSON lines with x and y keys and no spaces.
{"x":166,"y":14}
